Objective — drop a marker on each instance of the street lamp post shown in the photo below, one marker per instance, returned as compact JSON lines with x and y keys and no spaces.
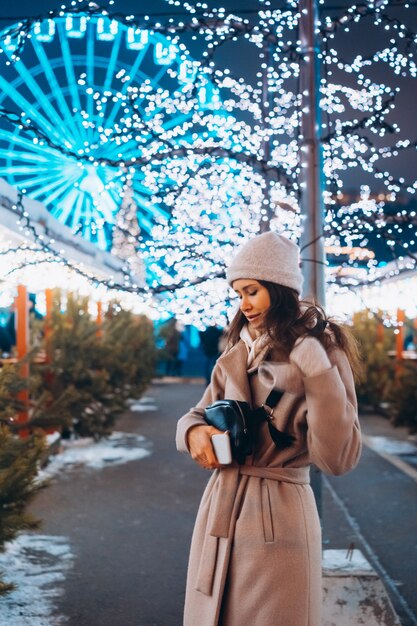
{"x":312,"y":209}
{"x":266,"y":217}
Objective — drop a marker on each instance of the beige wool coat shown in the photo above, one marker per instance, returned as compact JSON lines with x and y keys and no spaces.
{"x":255,"y":555}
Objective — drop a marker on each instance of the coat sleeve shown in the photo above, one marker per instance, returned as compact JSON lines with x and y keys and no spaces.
{"x":195,"y":416}
{"x":334,"y":438}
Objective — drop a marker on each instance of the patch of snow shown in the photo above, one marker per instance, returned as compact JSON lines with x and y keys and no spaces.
{"x":391,"y":446}
{"x":146,"y":403}
{"x":344,"y":562}
{"x":142,"y":400}
{"x":143,"y":407}
{"x":51,"y":438}
{"x":37,"y":565}
{"x":116,"y":449}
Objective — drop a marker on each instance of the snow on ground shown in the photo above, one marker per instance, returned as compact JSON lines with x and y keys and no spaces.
{"x":37,"y":565}
{"x":146,"y":403}
{"x":391,"y":446}
{"x":345,"y":562}
{"x":118,"y":448}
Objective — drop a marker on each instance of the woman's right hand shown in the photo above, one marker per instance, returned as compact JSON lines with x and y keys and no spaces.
{"x":200,"y":446}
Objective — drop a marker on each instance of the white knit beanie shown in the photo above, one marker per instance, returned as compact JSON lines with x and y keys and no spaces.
{"x":268,"y":257}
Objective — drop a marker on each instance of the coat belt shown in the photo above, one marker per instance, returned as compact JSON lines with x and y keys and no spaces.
{"x":224,"y":502}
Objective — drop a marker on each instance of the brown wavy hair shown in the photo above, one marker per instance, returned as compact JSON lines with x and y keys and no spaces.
{"x":289,"y":318}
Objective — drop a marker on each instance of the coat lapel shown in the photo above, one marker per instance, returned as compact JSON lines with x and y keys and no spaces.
{"x":234,"y":364}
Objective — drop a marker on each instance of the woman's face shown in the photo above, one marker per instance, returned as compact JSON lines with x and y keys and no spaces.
{"x":254,"y":300}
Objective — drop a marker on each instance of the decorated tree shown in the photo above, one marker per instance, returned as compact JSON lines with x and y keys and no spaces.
{"x":213,"y":152}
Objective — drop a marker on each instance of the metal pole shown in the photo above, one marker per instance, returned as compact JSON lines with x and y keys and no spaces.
{"x":312,"y":209}
{"x":22,"y":348}
{"x":265,"y":222}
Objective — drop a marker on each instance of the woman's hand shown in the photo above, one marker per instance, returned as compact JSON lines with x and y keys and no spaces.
{"x":200,"y":446}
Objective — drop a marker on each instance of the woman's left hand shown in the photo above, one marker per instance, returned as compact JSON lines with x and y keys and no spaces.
{"x":200,"y":446}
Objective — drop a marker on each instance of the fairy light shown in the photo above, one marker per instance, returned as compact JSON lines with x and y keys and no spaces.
{"x":233,"y":159}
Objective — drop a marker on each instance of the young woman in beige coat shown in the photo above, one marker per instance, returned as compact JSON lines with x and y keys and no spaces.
{"x":256,"y":549}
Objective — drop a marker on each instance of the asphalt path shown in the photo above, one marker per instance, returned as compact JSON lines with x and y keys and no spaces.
{"x":130,"y":525}
{"x":375,"y":507}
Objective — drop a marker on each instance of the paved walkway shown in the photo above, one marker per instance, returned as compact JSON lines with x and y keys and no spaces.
{"x":375,"y":506}
{"x":130,"y":525}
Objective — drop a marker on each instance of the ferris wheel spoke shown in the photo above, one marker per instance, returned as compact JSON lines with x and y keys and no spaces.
{"x":57,"y":183}
{"x":69,"y":209}
{"x":25,"y":159}
{"x":43,"y":183}
{"x":145,"y":223}
{"x":112,"y":61}
{"x":27,"y":107}
{"x":24,"y":171}
{"x":69,"y":68}
{"x":90,"y":82}
{"x":142,"y":190}
{"x":111,"y":152}
{"x":57,"y":91}
{"x":59,"y":192}
{"x":133,"y":73}
{"x":39,"y":150}
{"x":111,"y":68}
{"x":39,"y":96}
{"x":29,"y":163}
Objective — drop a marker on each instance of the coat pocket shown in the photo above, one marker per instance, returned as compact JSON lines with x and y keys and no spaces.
{"x":207,"y":566}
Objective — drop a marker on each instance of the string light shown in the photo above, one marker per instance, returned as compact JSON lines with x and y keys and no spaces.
{"x":215,"y":156}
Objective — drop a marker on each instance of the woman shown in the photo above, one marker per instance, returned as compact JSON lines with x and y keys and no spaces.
{"x":256,"y":550}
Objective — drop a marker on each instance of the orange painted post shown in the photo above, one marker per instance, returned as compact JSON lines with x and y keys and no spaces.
{"x":22,"y":346}
{"x":48,"y":323}
{"x":399,"y":337}
{"x":48,"y":376}
{"x":99,"y":319}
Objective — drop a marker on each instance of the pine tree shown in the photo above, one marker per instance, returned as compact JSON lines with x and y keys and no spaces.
{"x":92,"y":372}
{"x":169,"y":336}
{"x":19,"y":463}
{"x":378,"y":370}
{"x":402,"y":397}
{"x":129,"y":345}
{"x":73,"y":385}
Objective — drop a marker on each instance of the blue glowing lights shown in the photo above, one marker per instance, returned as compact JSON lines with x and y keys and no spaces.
{"x":96,"y":89}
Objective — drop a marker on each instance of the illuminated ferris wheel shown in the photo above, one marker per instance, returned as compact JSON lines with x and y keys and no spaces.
{"x":71,"y":82}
